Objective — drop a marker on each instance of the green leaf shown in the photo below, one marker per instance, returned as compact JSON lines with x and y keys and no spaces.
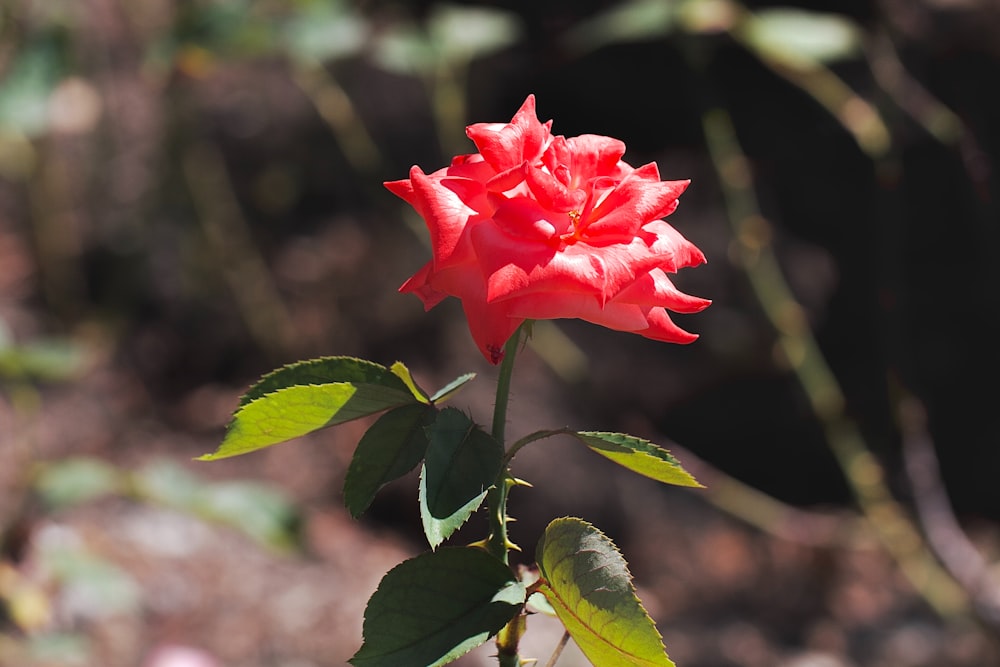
{"x":50,"y":360}
{"x":450,"y":389}
{"x":463,"y":33}
{"x":76,"y":480}
{"x":630,"y":21}
{"x":587,"y":582}
{"x":437,"y":529}
{"x":431,"y":609}
{"x":400,"y":370}
{"x":307,"y":396}
{"x":261,"y":512}
{"x":100,"y":588}
{"x":392,"y":447}
{"x":325,"y":370}
{"x":638,"y":455}
{"x":325,"y":31}
{"x":461,"y":464}
{"x":801,"y":37}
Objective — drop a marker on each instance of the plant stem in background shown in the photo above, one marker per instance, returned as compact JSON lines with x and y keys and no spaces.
{"x":862,"y":470}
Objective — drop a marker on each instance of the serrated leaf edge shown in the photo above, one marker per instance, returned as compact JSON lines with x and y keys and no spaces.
{"x":544,"y":586}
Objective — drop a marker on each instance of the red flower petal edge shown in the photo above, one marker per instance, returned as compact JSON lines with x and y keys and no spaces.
{"x":538,"y":226}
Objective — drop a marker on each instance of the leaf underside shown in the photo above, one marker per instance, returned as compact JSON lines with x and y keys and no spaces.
{"x":587,"y":583}
{"x":638,"y":455}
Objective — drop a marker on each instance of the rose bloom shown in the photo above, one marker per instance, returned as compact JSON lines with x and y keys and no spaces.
{"x":538,"y":226}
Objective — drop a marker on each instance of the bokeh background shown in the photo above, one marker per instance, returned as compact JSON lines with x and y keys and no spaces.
{"x":190,"y":196}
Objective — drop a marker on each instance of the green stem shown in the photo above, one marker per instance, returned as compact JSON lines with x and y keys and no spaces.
{"x":558,"y":652}
{"x":496,"y":500}
{"x":530,"y":438}
{"x":497,"y":543}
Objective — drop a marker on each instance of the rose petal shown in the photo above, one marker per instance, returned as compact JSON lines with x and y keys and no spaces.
{"x":418,"y":284}
{"x":506,"y":180}
{"x":675,"y":251}
{"x":635,"y":202}
{"x":540,"y":226}
{"x":446,"y":213}
{"x":549,"y":306}
{"x":507,"y":145}
{"x":656,"y":289}
{"x":662,"y":328}
{"x":525,"y":218}
{"x":515,"y":265}
{"x":551,"y":193}
{"x":490,"y":325}
{"x":593,"y":155}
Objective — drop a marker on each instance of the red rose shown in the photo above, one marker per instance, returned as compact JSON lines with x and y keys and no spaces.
{"x":536,"y":226}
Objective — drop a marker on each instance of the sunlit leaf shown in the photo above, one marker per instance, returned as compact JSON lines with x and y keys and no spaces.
{"x":404,"y":49}
{"x":587,"y":582}
{"x":800,"y":37}
{"x":324,"y":370}
{"x":325,"y":31}
{"x":462,"y":33}
{"x":167,"y":483}
{"x":630,"y":21}
{"x":638,"y":455}
{"x":461,"y":464}
{"x":431,"y":609}
{"x":307,"y":396}
{"x":393,"y":446}
{"x":400,"y":370}
{"x":452,"y":388}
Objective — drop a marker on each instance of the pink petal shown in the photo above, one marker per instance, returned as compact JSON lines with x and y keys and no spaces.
{"x":418,"y":284}
{"x":561,"y":305}
{"x":524,"y":218}
{"x":662,"y":328}
{"x":635,"y":202}
{"x":675,"y":251}
{"x":491,"y":326}
{"x":656,"y":289}
{"x":551,"y":193}
{"x":402,"y":189}
{"x":593,"y":155}
{"x":507,"y":145}
{"x":514,"y":265}
{"x":445,"y":211}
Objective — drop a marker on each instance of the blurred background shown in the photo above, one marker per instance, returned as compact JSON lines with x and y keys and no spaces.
{"x":190,"y":196}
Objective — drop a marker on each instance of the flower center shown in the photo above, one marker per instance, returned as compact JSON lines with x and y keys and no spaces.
{"x":569,"y":238}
